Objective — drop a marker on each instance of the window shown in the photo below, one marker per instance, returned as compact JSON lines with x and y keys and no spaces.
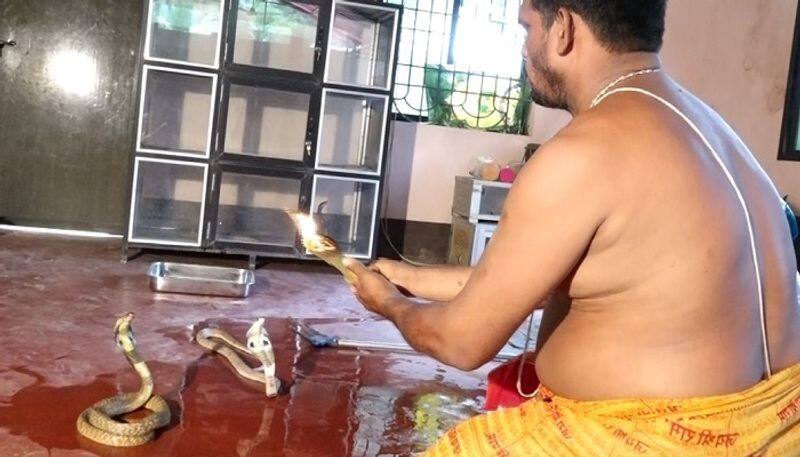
{"x":460,"y":64}
{"x":790,"y":140}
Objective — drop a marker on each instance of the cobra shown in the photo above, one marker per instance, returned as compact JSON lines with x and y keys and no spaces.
{"x":258,"y":347}
{"x":97,"y":422}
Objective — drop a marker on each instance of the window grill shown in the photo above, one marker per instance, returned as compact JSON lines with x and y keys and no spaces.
{"x":459,"y":64}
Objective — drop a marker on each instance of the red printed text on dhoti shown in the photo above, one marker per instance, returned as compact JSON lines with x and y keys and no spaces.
{"x":661,"y":410}
{"x":635,"y":445}
{"x":558,"y":418}
{"x":452,"y":438}
{"x":701,"y":437}
{"x":787,"y":413}
{"x":491,"y":438}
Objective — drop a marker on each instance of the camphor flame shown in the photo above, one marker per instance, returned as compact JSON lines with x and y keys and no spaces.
{"x":309,"y":233}
{"x":321,"y":246}
{"x":306,"y":224}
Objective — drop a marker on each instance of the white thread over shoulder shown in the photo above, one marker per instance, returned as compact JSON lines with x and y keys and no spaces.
{"x":732,"y":181}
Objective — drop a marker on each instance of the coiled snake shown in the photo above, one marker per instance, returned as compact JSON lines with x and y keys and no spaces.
{"x":258,"y":347}
{"x":97,"y":423}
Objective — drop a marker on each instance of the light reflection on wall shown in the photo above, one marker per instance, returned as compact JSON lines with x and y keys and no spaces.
{"x":73,"y":71}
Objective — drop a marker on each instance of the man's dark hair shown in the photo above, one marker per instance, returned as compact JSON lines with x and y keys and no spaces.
{"x":620,"y":25}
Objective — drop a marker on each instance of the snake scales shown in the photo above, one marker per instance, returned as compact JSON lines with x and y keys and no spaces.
{"x":97,"y":423}
{"x":258,"y":347}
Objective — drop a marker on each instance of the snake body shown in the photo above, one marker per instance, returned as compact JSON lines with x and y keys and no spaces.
{"x":97,"y":423}
{"x":258,"y":347}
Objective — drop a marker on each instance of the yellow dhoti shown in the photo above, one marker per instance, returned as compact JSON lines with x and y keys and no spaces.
{"x":761,"y":421}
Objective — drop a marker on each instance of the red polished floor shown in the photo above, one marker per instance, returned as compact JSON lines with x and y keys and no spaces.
{"x":59,"y":298}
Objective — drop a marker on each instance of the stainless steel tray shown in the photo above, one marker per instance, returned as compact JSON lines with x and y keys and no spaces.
{"x":200,"y":279}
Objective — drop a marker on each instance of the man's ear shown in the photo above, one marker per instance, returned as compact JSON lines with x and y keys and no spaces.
{"x":564,"y":29}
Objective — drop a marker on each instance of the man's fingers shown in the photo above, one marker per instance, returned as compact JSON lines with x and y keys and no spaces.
{"x":355,"y":266}
{"x":382,"y":266}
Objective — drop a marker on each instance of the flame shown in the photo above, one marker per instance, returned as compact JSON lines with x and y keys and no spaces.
{"x":316,"y":243}
{"x":321,"y":246}
{"x":306,"y":224}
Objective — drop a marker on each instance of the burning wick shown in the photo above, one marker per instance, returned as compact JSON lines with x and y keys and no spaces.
{"x":321,"y":246}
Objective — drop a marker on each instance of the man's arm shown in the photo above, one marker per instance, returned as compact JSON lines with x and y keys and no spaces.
{"x":550,"y":217}
{"x":439,"y":283}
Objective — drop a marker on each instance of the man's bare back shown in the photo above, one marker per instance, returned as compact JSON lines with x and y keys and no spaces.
{"x":629,"y":217}
{"x":664,"y":303}
{"x":630,"y":228}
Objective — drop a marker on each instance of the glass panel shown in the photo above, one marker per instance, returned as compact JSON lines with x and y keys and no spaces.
{"x":492,"y":199}
{"x":361,"y":45}
{"x":185,"y":30}
{"x":278,"y":34}
{"x":797,"y":140}
{"x":168,"y":202}
{"x":344,"y":210}
{"x":267,"y":122}
{"x":352,"y":131}
{"x":176,"y":112}
{"x":252,"y":209}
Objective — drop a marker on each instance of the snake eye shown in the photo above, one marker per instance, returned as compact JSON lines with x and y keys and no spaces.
{"x":251,"y":345}
{"x":265,"y":342}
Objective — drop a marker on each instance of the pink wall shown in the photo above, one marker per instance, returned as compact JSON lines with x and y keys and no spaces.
{"x":734,"y":54}
{"x":425,"y":160}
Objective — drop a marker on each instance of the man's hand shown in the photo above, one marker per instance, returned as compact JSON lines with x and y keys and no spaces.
{"x":372,"y":289}
{"x":398,"y":273}
{"x":432,"y":283}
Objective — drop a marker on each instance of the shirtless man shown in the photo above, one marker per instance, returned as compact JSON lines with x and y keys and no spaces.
{"x":627,"y":219}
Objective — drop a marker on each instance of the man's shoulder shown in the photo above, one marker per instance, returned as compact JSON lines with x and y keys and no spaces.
{"x":581,"y":145}
{"x":566,"y":174}
{"x":571,"y":164}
